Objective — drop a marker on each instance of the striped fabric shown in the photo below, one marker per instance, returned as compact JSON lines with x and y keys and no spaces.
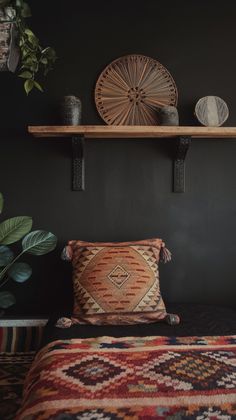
{"x":20,"y":339}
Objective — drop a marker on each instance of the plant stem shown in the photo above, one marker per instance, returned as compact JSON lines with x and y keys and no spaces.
{"x":4,"y":282}
{"x":4,"y":271}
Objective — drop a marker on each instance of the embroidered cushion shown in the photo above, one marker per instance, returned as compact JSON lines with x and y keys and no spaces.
{"x":117,"y":283}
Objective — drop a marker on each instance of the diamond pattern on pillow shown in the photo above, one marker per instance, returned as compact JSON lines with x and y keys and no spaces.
{"x":116,"y":283}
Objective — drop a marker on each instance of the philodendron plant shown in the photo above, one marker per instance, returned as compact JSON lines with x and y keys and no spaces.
{"x":36,"y":242}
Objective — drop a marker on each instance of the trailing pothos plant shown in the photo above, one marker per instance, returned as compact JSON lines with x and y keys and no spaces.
{"x":36,"y":242}
{"x":35,"y":60}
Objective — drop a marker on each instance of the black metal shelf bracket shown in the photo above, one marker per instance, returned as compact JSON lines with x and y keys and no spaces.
{"x":78,"y":164}
{"x":78,"y":170}
{"x":183,"y":144}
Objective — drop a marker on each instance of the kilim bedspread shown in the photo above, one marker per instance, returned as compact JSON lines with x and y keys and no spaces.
{"x":13,"y":370}
{"x":133,"y":378}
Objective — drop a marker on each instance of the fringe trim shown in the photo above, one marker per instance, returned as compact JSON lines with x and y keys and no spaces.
{"x":64,"y":322}
{"x":165,"y":254}
{"x":66,"y":254}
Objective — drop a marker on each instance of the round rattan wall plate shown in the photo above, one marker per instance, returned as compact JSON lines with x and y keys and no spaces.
{"x":132,"y":88}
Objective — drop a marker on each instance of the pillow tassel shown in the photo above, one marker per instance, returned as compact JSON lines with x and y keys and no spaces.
{"x":165,"y":254}
{"x":67,"y":253}
{"x":63,"y":322}
{"x":172,"y":319}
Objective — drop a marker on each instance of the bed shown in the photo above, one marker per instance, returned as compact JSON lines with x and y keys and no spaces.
{"x":123,"y":354}
{"x":149,"y":371}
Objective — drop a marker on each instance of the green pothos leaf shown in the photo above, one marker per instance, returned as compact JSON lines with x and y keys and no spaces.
{"x":38,"y":86}
{"x":25,"y":75}
{"x":28,"y":85}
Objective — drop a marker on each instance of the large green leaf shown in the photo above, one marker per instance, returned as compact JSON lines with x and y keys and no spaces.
{"x":7,"y":299}
{"x":12,"y":230}
{"x":39,"y":242}
{"x":6,"y":255}
{"x":1,"y":202}
{"x":20,"y":272}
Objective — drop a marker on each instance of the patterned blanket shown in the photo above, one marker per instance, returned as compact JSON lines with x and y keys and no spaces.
{"x":133,"y":378}
{"x":13,"y":370}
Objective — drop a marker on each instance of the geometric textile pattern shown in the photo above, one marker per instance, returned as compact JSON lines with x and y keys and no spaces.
{"x":133,"y":378}
{"x":13,"y":370}
{"x":118,"y":276}
{"x":116,"y":283}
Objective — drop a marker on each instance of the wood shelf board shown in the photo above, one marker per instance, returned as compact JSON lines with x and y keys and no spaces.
{"x":136,"y":132}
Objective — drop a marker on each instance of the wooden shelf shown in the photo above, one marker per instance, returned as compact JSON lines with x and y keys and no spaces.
{"x":183,"y":134}
{"x":136,"y":132}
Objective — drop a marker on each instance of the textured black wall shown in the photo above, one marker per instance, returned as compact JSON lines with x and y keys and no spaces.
{"x":128,"y":184}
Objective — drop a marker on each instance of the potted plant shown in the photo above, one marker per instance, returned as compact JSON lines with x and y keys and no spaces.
{"x":20,"y":47}
{"x":9,"y":50}
{"x":37,"y":242}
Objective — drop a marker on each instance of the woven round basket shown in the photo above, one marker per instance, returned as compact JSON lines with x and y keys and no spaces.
{"x":132,"y":89}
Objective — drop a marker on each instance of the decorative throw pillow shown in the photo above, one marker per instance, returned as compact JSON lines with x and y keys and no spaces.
{"x":117,"y":283}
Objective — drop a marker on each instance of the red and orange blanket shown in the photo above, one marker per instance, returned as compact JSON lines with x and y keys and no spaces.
{"x":133,"y":378}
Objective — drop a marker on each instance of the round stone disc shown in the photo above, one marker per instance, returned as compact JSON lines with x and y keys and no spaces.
{"x":211,"y":111}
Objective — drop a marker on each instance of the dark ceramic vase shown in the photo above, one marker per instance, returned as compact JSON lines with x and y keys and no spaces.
{"x":169,"y":115}
{"x":71,"y":110}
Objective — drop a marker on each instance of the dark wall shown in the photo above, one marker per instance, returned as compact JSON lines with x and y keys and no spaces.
{"x":128,"y":184}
